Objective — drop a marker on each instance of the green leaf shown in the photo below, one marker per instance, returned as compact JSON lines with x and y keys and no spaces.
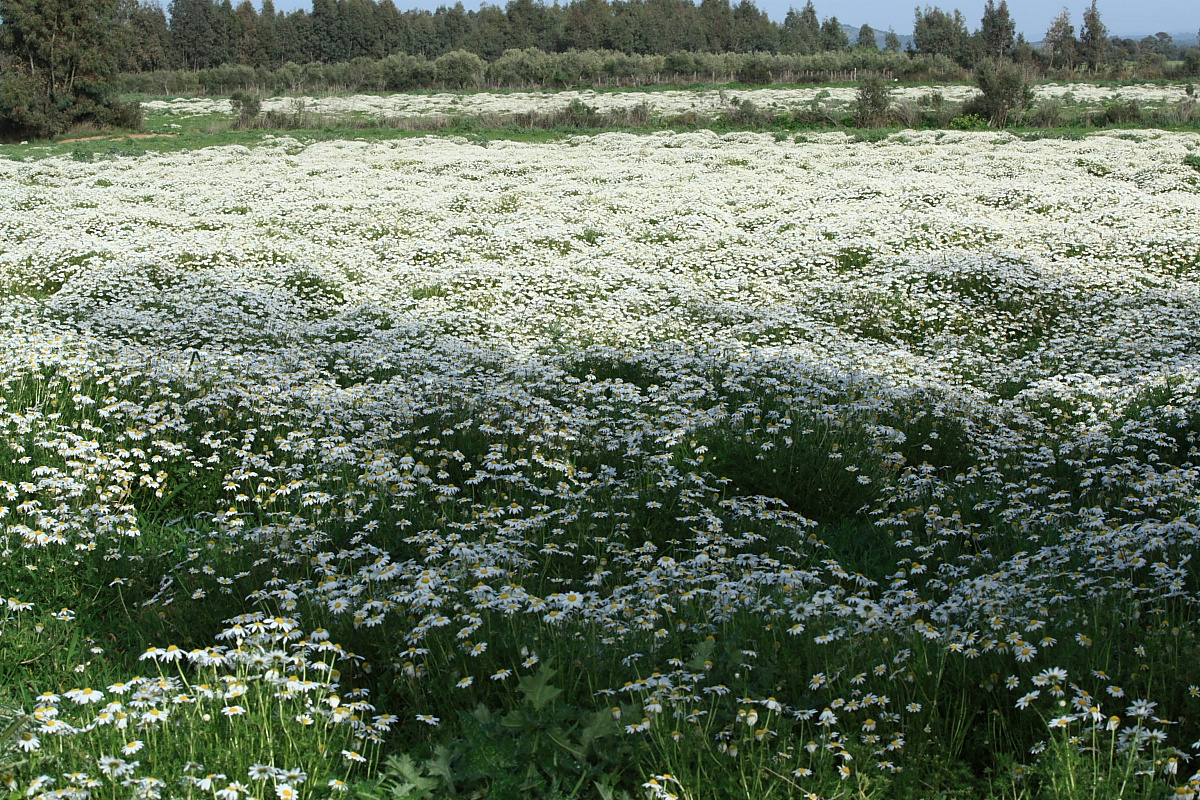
{"x":563,"y":740}
{"x":405,"y":781}
{"x":598,"y":725}
{"x":702,"y":653}
{"x":442,"y":765}
{"x":537,"y":689}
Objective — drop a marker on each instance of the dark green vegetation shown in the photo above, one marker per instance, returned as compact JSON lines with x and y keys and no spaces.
{"x":57,"y":63}
{"x":544,"y":732}
{"x":206,"y":34}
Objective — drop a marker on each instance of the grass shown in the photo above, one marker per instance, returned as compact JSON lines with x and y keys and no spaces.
{"x":174,"y":133}
{"x":253,"y":138}
{"x":539,"y":733}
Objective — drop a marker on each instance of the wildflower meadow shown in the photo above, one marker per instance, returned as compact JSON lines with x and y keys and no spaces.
{"x":656,"y":466}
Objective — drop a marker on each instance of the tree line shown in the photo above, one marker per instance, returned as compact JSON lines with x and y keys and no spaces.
{"x":202,"y":34}
{"x":535,"y":69}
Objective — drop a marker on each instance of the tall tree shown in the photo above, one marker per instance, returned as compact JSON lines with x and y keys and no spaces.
{"x":801,"y":31}
{"x":325,"y":30}
{"x":891,"y":42}
{"x":489,"y":35}
{"x":997,"y":30}
{"x":628,"y":33}
{"x":936,"y":32}
{"x":833,"y":35}
{"x":144,"y":39}
{"x":226,"y":29}
{"x":586,"y":24}
{"x":674,"y":25}
{"x":451,"y":28}
{"x":526,"y":21}
{"x":753,"y":31}
{"x":866,"y":39}
{"x":716,"y":22}
{"x":1060,"y":43}
{"x":268,"y":35}
{"x":1093,"y":39}
{"x":193,"y":33}
{"x":423,"y":33}
{"x":1161,"y":43}
{"x":361,"y":29}
{"x":247,"y":46}
{"x":62,"y":65}
{"x":393,"y":29}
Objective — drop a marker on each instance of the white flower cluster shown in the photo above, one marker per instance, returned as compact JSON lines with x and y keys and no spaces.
{"x":554,"y":370}
{"x":666,"y":102}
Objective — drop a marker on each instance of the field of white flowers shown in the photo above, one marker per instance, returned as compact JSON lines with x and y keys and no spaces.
{"x":664,"y":102}
{"x":663,"y":465}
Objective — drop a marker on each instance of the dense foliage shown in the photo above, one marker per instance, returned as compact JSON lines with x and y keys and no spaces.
{"x":532,"y":68}
{"x":207,"y":33}
{"x":57,"y":66}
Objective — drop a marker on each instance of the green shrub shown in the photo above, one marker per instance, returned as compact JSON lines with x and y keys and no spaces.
{"x":968,"y":122}
{"x":744,"y":112}
{"x":246,"y":104}
{"x":873,"y":101}
{"x":755,"y":73}
{"x":48,"y":86}
{"x":1047,"y":114}
{"x":1003,"y":93}
{"x":1120,"y":112}
{"x":459,"y":69}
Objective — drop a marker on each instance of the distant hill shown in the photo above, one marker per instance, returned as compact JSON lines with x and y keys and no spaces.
{"x":1182,"y":38}
{"x":852,"y":33}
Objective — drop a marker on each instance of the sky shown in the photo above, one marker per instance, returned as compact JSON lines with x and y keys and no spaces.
{"x":1033,"y":17}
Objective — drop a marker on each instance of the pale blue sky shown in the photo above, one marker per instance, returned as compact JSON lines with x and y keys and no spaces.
{"x":1125,"y":17}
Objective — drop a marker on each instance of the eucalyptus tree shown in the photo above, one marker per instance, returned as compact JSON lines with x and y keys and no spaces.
{"x":1093,"y":39}
{"x":62,"y":58}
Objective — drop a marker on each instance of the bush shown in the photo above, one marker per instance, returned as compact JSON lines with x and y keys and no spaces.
{"x":459,"y":69}
{"x":529,"y":67}
{"x":755,"y":73}
{"x":938,"y":111}
{"x":1120,"y":112}
{"x":743,"y":112}
{"x":1047,"y":114}
{"x":27,"y":112}
{"x":968,"y":122}
{"x":247,"y":105}
{"x":873,"y":102}
{"x":680,"y":63}
{"x":22,"y":112}
{"x":49,"y":86}
{"x":907,"y":113}
{"x":1003,"y":91}
{"x":1191,"y":62}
